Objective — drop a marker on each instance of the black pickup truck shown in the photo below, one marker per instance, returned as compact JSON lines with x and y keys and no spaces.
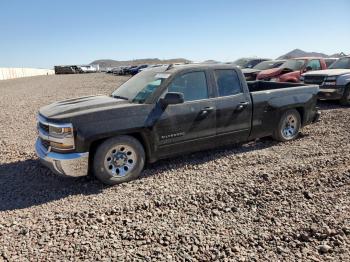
{"x":167,"y":111}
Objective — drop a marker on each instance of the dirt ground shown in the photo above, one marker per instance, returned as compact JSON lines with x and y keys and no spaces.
{"x":259,"y":201}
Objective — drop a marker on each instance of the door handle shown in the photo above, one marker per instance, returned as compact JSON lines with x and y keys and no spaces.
{"x":241,"y":106}
{"x":205,"y":111}
{"x":208,"y":109}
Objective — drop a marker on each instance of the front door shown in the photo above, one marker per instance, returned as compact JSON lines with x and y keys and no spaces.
{"x":190,"y":123}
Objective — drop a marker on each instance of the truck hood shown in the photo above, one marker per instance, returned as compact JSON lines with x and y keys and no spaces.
{"x":329,"y":72}
{"x":269,"y":73}
{"x":290,"y":77}
{"x":80,"y":106}
{"x":274,"y":72}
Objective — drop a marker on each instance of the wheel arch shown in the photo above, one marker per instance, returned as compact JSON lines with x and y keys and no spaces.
{"x":140,"y":136}
{"x":301,"y":112}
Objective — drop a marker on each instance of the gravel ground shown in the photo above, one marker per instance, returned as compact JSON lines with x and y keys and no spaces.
{"x":259,"y":201}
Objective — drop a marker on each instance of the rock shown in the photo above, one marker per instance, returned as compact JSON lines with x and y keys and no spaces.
{"x":304,"y":237}
{"x":266,"y":176}
{"x":307,"y":195}
{"x":281,"y":250}
{"x":100,"y":219}
{"x":324,"y":249}
{"x":216,"y":212}
{"x":235,"y":249}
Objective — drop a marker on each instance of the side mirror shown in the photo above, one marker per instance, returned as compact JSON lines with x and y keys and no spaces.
{"x":172,"y":98}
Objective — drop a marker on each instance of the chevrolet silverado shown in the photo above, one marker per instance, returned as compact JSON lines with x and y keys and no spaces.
{"x":167,"y":111}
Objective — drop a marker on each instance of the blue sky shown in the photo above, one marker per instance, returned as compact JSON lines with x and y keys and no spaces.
{"x":40,"y":33}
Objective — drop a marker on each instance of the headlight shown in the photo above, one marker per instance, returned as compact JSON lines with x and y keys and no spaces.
{"x":61,"y":131}
{"x":61,"y":137}
{"x":302,"y":79}
{"x":274,"y":80}
{"x":56,"y":136}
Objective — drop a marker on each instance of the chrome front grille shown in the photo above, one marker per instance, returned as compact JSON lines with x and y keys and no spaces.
{"x":314,"y":79}
{"x":43,"y":126}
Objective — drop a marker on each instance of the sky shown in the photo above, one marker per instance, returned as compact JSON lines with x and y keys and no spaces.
{"x":44,"y":33}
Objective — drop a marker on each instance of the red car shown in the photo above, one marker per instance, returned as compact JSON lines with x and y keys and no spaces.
{"x":291,"y":70}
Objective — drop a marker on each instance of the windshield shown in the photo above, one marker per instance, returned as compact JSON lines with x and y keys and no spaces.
{"x":342,"y":63}
{"x":293,"y":64}
{"x":138,"y":88}
{"x":265,"y":65}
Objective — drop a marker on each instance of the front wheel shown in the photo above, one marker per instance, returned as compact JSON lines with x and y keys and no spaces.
{"x":288,"y":127}
{"x":118,"y":160}
{"x":345,"y":100}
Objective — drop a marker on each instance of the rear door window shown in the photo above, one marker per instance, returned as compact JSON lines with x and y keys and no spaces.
{"x":228,"y":82}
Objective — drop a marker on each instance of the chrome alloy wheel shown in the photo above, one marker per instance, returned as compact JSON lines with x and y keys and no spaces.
{"x":290,"y":127}
{"x":120,"y":160}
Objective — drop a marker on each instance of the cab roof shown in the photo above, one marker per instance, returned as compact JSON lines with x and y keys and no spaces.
{"x":175,"y":68}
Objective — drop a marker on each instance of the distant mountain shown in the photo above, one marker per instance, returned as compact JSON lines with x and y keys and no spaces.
{"x":300,"y":53}
{"x":108,"y":63}
{"x":341,"y":54}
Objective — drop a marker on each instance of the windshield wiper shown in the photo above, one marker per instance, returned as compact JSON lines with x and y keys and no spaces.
{"x":121,"y":97}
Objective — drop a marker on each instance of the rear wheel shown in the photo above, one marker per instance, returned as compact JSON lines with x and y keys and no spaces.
{"x":345,"y":100}
{"x":288,"y":127}
{"x":118,"y":160}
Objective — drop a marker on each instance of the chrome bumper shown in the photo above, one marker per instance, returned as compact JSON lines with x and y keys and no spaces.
{"x":70,"y":164}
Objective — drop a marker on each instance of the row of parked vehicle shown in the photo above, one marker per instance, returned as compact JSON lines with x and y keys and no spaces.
{"x":76,"y":69}
{"x":331,"y":74}
{"x":130,"y":70}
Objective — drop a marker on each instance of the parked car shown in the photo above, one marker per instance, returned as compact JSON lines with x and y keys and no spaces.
{"x":118,"y":70}
{"x":152,"y":66}
{"x":127,"y":70}
{"x":334,"y":82}
{"x":251,"y":73}
{"x":167,"y":111}
{"x":248,"y":62}
{"x":330,"y":60}
{"x":136,"y":70}
{"x":70,"y":69}
{"x":291,"y":70}
{"x":88,"y":69}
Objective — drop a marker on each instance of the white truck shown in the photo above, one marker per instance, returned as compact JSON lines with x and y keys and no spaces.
{"x":334,"y":82}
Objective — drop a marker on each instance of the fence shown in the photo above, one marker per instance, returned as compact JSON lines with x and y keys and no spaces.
{"x":9,"y":73}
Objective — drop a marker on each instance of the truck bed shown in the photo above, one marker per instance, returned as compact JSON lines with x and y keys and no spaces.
{"x":270,"y":99}
{"x":265,"y":85}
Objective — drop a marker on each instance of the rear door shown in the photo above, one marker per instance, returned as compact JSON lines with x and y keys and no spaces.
{"x":190,"y":123}
{"x":233,"y":106}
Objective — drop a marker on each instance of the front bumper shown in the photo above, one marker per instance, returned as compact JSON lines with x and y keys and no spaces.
{"x":334,"y":93}
{"x":70,"y":164}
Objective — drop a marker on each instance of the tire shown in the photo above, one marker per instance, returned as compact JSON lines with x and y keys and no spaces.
{"x":345,"y":100}
{"x":288,"y":126}
{"x":118,"y":160}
